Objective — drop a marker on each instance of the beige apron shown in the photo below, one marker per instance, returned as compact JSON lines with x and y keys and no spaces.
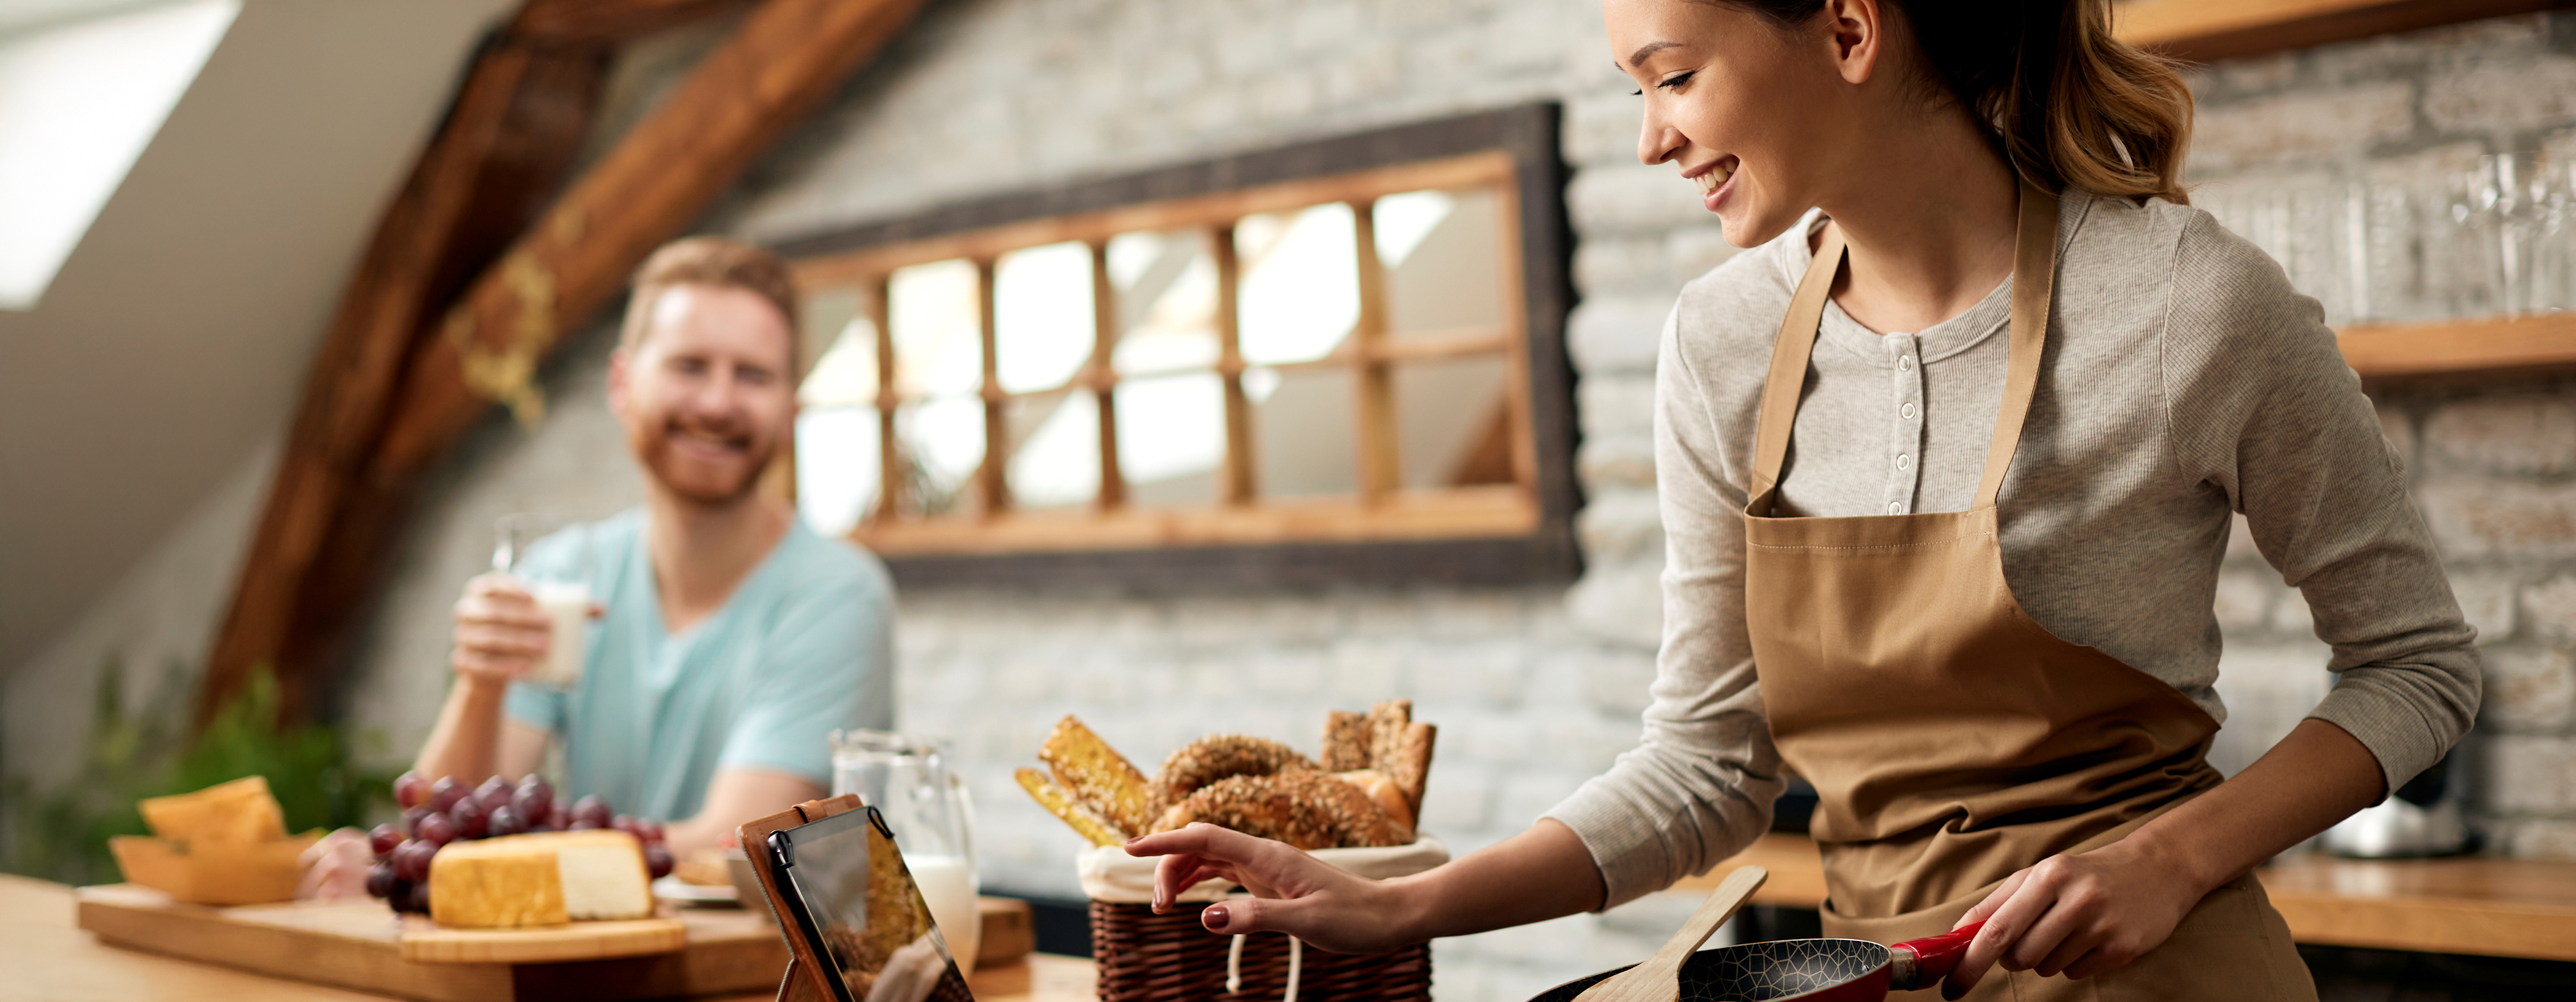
{"x":1951,"y":739}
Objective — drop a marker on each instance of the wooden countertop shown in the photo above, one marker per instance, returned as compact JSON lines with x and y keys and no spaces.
{"x":2490,"y":907}
{"x":48,"y":957}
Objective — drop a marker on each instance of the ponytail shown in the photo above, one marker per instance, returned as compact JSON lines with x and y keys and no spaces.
{"x":2067,"y":104}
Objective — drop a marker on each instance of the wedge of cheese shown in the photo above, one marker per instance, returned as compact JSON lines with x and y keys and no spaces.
{"x":548,"y":878}
{"x":214,"y":873}
{"x":238,"y":811}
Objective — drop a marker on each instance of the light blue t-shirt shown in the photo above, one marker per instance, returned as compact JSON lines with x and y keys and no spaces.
{"x":804,"y":646}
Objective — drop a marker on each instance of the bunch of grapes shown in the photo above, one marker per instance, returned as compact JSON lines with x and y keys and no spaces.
{"x":435,"y":814}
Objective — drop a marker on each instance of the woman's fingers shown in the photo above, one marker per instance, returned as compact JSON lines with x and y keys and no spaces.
{"x":2006,"y":912}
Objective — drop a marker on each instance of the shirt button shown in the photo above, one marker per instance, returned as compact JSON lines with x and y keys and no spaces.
{"x":1906,"y":412}
{"x":1896,"y":507}
{"x":1904,"y":462}
{"x":1905,"y":362}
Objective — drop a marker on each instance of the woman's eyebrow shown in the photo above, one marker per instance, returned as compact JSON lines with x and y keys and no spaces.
{"x":1649,"y":49}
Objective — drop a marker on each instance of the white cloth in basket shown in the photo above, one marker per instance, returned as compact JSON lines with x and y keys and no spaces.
{"x":1110,"y":874}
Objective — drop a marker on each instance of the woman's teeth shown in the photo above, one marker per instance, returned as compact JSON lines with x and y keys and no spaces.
{"x":1714,"y":178}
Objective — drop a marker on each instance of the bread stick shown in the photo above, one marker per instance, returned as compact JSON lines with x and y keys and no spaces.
{"x":1084,"y":821}
{"x":1097,"y":776}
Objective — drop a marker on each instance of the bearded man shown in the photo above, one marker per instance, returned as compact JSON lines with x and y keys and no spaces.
{"x":729,"y":639}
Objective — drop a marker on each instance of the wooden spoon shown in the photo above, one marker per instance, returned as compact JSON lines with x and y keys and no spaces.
{"x":1659,"y":979}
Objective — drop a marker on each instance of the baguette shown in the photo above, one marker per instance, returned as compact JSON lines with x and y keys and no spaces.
{"x":1083,"y":820}
{"x":1097,"y":776}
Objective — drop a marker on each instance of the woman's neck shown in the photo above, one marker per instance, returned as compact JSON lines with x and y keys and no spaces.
{"x":1929,"y":212}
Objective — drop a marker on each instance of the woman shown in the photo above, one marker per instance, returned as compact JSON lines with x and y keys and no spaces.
{"x":1951,"y":554}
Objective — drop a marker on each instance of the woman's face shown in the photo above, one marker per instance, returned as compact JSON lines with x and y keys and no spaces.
{"x":1759,"y":117}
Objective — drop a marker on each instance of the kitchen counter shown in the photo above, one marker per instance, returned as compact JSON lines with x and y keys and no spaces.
{"x":2473,"y":905}
{"x":49,"y":958}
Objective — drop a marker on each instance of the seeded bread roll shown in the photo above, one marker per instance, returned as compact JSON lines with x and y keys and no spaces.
{"x":1220,"y":756}
{"x":1308,"y":810}
{"x":1346,"y":741}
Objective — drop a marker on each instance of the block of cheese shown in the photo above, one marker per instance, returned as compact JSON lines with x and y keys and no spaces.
{"x":548,"y":878}
{"x":238,"y":811}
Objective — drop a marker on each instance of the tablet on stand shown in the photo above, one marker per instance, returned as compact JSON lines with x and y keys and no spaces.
{"x":857,"y":927}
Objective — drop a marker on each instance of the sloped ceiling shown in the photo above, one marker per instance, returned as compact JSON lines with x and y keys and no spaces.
{"x":174,"y":340}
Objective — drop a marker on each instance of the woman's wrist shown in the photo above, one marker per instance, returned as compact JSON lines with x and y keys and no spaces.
{"x":2159,"y":849}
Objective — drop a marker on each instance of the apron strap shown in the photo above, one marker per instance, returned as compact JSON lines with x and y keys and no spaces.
{"x":2034,"y":274}
{"x":1789,"y":353}
{"x":2034,"y":277}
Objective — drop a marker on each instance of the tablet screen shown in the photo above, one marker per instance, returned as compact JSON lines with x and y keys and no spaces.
{"x":873,"y":925}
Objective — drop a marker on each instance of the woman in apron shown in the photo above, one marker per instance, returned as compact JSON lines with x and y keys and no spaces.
{"x":1948,"y":464}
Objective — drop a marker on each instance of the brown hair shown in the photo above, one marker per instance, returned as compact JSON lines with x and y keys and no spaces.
{"x":721,"y":262}
{"x":2067,"y":104}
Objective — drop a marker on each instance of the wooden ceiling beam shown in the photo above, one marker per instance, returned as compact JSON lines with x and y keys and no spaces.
{"x":408,"y":371}
{"x":595,"y":21}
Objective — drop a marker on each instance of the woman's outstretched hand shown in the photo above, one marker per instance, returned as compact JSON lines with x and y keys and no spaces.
{"x":1293,"y":892}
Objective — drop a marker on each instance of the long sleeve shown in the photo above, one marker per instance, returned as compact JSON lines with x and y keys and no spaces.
{"x":1699,"y":785}
{"x":2261,"y":405}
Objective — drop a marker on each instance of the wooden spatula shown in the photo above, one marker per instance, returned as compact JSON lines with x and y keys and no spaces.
{"x":1659,"y":979}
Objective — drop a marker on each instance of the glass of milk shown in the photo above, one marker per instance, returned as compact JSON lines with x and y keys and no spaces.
{"x":561,"y":587}
{"x":909,"y":781}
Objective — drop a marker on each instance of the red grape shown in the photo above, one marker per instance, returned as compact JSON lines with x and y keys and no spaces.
{"x":472,"y":821}
{"x":649,"y":830}
{"x":559,"y":817}
{"x":445,"y":793}
{"x":410,"y":790}
{"x":504,"y":821}
{"x":657,"y":859}
{"x":411,"y":860}
{"x":493,"y":793}
{"x":383,"y":840}
{"x":532,"y":801}
{"x":592,"y":809}
{"x":380,"y":881}
{"x":418,"y":900}
{"x":625,"y":823}
{"x":412,"y":818}
{"x":437,"y":829}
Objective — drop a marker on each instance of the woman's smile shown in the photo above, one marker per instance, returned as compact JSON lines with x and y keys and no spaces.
{"x":1716,"y":180}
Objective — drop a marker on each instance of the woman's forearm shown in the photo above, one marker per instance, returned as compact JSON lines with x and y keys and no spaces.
{"x":468,"y":733}
{"x":2318,"y":775}
{"x":1539,"y":874}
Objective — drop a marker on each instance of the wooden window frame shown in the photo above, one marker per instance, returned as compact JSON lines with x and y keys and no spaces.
{"x":1517,"y":532}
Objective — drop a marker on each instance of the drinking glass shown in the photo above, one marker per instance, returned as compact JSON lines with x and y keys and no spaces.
{"x":563,"y":590}
{"x":909,"y":781}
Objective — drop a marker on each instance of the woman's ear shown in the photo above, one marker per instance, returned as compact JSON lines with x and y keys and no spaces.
{"x":1857,"y":30}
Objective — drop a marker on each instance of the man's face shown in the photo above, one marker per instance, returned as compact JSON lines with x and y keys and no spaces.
{"x":706,"y":394}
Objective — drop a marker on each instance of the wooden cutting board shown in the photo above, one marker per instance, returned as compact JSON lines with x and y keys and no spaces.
{"x":424,"y":942}
{"x":360,"y":945}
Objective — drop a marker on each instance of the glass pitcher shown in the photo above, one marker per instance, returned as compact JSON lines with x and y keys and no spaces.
{"x":908,"y":780}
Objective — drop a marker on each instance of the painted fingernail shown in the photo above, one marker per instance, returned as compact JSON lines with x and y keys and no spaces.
{"x":1213,"y":917}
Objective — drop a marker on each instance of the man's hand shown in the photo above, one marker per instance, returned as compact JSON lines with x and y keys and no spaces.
{"x":1294,"y":893}
{"x":2078,"y":915}
{"x":501,"y":634}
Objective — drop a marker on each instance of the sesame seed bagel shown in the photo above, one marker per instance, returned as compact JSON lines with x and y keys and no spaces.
{"x":1306,"y":809}
{"x":1220,"y":756}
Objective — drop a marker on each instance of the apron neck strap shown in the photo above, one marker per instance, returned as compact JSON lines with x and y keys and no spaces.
{"x":2034,"y":271}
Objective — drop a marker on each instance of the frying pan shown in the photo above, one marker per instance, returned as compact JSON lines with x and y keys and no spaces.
{"x":1809,"y":970}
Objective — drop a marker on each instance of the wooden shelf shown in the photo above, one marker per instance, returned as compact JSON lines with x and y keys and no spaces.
{"x":1451,"y":513}
{"x":2539,"y":342}
{"x":2488,"y":907}
{"x":2205,"y":30}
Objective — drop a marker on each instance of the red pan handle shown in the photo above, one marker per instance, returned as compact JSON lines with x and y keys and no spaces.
{"x":1922,"y":963}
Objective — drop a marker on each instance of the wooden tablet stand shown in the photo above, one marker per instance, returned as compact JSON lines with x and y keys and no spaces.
{"x":803,"y":981}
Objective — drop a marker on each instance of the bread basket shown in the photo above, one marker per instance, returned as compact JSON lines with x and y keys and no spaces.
{"x":1144,"y":957}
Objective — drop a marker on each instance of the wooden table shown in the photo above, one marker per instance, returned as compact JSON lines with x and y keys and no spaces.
{"x":2488,"y":907}
{"x":45,"y":957}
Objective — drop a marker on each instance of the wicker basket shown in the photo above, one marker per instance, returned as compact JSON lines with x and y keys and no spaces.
{"x":1144,"y":957}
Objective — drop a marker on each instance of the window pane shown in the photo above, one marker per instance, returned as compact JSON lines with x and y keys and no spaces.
{"x":1302,"y":432}
{"x":1171,"y":438}
{"x":1443,"y":253}
{"x":1446,"y":414}
{"x":1056,"y":463}
{"x":1166,"y":286}
{"x":846,"y":373}
{"x":943,"y":442}
{"x":1042,"y":317}
{"x":836,"y":467}
{"x":938,"y":329}
{"x":1300,"y":292}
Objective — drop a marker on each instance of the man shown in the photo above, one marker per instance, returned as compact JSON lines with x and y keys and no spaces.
{"x":730,"y":640}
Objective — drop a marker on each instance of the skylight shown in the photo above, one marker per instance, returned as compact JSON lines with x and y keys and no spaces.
{"x":79,"y":99}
